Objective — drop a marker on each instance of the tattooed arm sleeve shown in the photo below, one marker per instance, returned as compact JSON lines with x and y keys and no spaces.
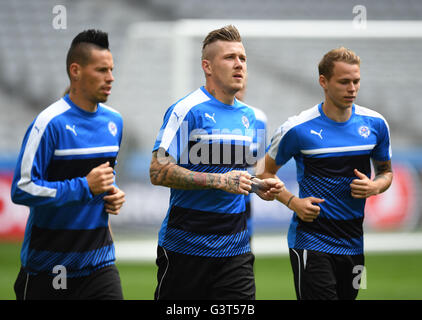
{"x":165,"y":172}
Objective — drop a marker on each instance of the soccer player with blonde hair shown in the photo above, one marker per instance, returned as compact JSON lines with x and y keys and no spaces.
{"x":201,"y":154}
{"x":332,"y":144}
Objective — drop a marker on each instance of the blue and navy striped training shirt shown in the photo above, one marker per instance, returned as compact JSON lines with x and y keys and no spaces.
{"x":67,"y":225}
{"x":205,"y":135}
{"x":326,"y":153}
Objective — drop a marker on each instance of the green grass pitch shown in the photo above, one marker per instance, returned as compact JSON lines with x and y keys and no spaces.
{"x":393,"y":276}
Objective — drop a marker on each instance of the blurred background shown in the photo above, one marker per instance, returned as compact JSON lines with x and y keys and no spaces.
{"x":156,"y":46}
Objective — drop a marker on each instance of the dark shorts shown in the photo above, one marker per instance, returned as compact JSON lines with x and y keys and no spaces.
{"x":102,"y":284}
{"x":188,"y":277}
{"x":324,"y":276}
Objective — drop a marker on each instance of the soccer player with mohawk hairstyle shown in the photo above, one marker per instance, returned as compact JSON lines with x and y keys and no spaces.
{"x":200,"y":153}
{"x":65,"y":175}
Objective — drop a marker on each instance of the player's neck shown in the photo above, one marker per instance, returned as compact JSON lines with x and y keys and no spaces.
{"x":220,"y":94}
{"x":81,"y":102}
{"x":336,"y":113}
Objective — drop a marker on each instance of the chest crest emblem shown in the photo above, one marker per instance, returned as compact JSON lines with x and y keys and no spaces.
{"x":245,"y":122}
{"x":364,"y":131}
{"x":112,"y":128}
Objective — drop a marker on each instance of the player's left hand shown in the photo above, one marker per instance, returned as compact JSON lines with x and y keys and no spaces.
{"x":363,"y":187}
{"x":269,"y":188}
{"x":114,"y":201}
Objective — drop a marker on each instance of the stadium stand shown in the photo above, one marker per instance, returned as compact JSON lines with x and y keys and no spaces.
{"x":289,"y":9}
{"x":33,"y":69}
{"x":32,"y":52}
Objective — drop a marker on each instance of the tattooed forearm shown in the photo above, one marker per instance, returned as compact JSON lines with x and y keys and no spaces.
{"x":383,"y":174}
{"x":214,"y":180}
{"x":382,"y":167}
{"x":199,"y":179}
{"x":382,"y":170}
{"x":167,"y":173}
{"x":380,"y":176}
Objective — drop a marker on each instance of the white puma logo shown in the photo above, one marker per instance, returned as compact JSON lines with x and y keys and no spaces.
{"x":71,"y":129}
{"x":317,"y":133}
{"x":210,"y":117}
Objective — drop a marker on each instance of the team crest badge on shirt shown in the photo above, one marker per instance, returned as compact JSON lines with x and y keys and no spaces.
{"x":112,"y":128}
{"x":364,"y":131}
{"x":245,"y":122}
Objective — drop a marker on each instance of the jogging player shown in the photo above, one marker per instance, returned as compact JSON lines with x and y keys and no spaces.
{"x":65,"y":175}
{"x":332,"y":144}
{"x":202,"y":153}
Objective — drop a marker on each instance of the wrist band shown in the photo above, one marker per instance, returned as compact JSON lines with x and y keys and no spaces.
{"x":254,"y":186}
{"x":288,"y":201}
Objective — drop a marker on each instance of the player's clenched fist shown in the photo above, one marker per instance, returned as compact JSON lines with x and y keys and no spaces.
{"x":114,"y":201}
{"x":236,"y":182}
{"x":100,"y":179}
{"x":307,"y":209}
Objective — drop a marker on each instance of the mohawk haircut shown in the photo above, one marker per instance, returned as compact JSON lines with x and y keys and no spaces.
{"x":82,"y":44}
{"x":227,"y":33}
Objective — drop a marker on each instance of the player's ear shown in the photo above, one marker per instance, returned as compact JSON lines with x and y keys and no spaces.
{"x":323,"y":81}
{"x":206,"y":66}
{"x":75,"y":71}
